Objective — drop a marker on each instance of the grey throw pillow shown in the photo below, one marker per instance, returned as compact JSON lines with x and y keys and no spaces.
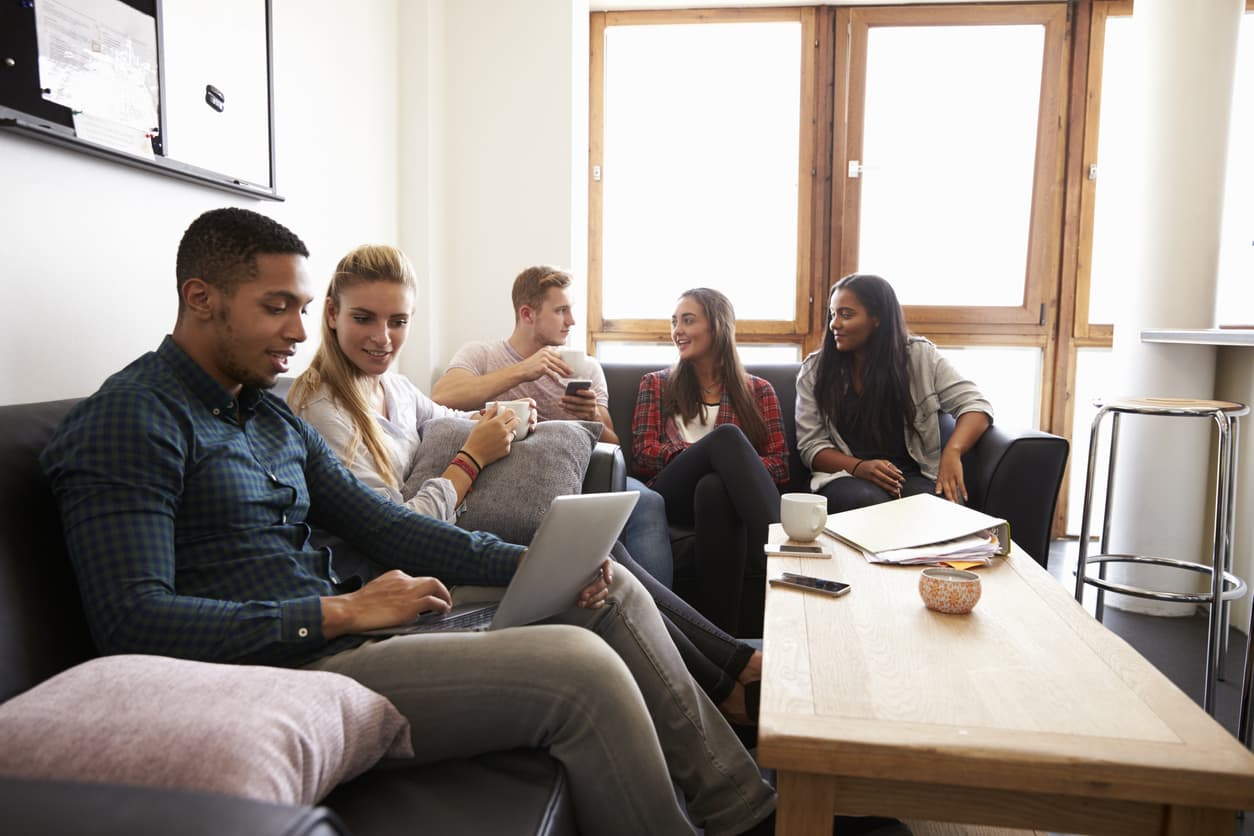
{"x":271,"y":734}
{"x":512,"y":494}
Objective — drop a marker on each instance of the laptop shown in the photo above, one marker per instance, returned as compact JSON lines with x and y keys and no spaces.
{"x":573,"y":540}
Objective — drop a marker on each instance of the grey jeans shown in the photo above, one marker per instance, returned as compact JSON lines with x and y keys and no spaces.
{"x":612,"y":702}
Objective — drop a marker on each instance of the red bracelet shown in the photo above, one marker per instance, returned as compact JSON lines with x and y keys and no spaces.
{"x":473,"y":460}
{"x":465,"y":467}
{"x":854,"y":472}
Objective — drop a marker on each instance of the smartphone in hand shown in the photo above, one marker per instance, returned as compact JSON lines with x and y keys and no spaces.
{"x":576,"y":385}
{"x":807,"y":583}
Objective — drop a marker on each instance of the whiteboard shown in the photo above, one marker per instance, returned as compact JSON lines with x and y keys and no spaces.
{"x":220,"y":45}
{"x":181,"y":87}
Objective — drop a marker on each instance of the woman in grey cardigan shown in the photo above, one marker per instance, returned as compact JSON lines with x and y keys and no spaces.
{"x":868,"y":405}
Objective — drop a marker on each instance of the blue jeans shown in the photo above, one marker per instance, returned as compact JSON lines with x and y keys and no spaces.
{"x":713,"y":657}
{"x":647,"y":535}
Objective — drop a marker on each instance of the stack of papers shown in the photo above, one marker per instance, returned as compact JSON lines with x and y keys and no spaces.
{"x":921,"y":529}
{"x":974,"y":548}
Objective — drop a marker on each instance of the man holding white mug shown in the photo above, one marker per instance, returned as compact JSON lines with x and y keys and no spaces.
{"x":533,"y":363}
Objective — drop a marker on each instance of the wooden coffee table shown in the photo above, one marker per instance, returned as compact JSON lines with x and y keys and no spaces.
{"x":1025,"y":713}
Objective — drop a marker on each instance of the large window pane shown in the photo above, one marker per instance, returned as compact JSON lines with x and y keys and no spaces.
{"x":701,"y":149}
{"x":1092,"y":381}
{"x":949,"y":150}
{"x":1118,"y":191}
{"x":1235,"y":291}
{"x":1009,"y":377}
{"x":613,"y":351}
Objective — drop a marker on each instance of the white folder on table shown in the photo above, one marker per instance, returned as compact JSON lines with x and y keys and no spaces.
{"x":913,"y":521}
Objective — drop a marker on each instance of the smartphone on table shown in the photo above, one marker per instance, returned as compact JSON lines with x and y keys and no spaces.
{"x":795,"y":550}
{"x":811,"y":584}
{"x":574,"y":386}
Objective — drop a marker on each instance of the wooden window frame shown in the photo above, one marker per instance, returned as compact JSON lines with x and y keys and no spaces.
{"x":1089,"y":334}
{"x":1031,"y":322}
{"x":813,"y":147}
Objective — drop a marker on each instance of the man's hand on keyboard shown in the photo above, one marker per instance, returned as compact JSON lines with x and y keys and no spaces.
{"x":390,"y":600}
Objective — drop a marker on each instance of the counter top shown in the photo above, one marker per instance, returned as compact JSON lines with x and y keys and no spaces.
{"x":1200,"y":336}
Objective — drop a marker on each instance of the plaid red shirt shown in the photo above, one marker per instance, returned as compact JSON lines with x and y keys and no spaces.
{"x":657,"y":441}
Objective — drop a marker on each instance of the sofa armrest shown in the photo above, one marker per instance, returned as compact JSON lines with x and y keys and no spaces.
{"x":44,"y":808}
{"x":1015,"y":475}
{"x":607,"y":469}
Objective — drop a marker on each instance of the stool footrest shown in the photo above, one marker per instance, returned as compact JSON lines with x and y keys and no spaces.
{"x":1235,"y":587}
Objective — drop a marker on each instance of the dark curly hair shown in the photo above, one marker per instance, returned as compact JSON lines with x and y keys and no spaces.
{"x":222,"y":245}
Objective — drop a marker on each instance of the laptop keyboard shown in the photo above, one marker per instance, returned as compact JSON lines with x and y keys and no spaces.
{"x":462,"y":621}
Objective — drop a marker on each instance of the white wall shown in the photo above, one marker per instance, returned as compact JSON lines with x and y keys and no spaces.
{"x":506,"y":146}
{"x":457,"y":130}
{"x":88,"y":246}
{"x":421,"y":174}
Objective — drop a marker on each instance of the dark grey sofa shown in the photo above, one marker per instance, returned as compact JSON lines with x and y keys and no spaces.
{"x":43,"y":632}
{"x":1011,"y":473}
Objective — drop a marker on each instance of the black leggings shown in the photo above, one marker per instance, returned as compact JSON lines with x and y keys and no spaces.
{"x":720,"y":487}
{"x":849,"y":492}
{"x":713,"y":658}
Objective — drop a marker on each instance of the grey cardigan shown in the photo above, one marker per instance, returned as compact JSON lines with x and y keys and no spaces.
{"x":935,"y":385}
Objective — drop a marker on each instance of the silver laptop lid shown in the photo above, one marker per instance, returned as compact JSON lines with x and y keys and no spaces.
{"x":573,"y":539}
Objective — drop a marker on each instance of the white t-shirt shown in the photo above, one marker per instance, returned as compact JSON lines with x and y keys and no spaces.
{"x":484,"y":358}
{"x":409,"y":409}
{"x":695,"y":430}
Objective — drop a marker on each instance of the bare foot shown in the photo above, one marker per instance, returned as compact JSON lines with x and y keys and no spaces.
{"x":733,"y":707}
{"x":753,"y":669}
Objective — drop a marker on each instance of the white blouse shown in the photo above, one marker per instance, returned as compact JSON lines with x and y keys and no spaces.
{"x":409,"y":409}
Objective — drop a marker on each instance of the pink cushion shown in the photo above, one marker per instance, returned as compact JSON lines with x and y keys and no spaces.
{"x":271,"y":734}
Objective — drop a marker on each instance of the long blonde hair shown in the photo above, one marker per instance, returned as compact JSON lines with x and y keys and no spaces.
{"x":347,"y":385}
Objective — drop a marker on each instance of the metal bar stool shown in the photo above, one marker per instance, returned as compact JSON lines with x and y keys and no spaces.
{"x":1225,"y":586}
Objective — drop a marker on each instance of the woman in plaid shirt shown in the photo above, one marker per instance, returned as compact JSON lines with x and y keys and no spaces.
{"x":709,"y":439}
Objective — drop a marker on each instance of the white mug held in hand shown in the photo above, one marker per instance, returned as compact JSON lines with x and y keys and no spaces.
{"x":576,"y":359}
{"x":520,"y":408}
{"x":803,"y":515}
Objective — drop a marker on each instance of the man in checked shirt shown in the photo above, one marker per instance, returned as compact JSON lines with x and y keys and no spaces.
{"x":187,"y":492}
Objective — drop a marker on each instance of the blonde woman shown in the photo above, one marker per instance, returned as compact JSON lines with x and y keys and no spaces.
{"x":370,"y":417}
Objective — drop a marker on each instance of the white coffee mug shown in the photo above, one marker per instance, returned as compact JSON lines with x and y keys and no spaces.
{"x":576,"y":359}
{"x":520,"y":408}
{"x":803,"y":515}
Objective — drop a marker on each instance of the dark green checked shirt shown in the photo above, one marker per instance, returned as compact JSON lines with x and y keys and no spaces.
{"x":187,"y":517}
